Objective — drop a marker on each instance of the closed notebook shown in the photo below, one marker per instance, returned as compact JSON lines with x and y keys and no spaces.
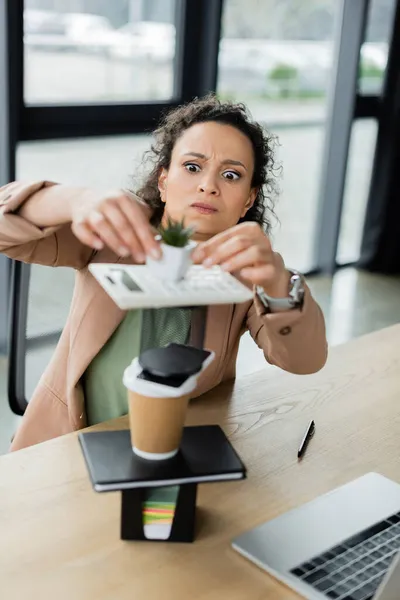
{"x":205,"y":455}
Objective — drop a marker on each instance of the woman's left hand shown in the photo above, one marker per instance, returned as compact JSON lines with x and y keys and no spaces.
{"x":246,"y":251}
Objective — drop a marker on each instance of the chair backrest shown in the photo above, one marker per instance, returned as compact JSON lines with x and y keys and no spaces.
{"x":39,"y":304}
{"x":20,"y":273}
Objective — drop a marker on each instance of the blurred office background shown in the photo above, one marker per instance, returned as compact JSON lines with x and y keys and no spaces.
{"x":84,"y":82}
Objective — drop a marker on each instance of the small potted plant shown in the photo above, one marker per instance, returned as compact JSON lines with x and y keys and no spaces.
{"x":177,"y":248}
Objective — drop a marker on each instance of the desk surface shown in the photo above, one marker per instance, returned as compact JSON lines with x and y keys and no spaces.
{"x":59,"y":539}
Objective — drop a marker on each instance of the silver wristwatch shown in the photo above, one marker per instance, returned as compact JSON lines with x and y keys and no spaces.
{"x":292,"y":301}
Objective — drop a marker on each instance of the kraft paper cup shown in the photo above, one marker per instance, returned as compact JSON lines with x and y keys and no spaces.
{"x":156,"y":414}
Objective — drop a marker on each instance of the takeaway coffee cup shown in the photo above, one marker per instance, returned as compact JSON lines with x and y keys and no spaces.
{"x":160,"y":383}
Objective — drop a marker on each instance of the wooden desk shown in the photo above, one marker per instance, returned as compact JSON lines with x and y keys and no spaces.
{"x":59,"y":539}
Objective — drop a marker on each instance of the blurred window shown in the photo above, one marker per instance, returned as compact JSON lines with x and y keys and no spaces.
{"x":277,"y":57}
{"x":107,"y":52}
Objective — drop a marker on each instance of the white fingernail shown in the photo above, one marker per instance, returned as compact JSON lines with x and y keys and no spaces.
{"x":123,"y":251}
{"x":98,"y":245}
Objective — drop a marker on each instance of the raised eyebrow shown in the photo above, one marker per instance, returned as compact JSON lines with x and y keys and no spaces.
{"x":227,"y":161}
{"x":230,"y":161}
{"x":196,"y":154}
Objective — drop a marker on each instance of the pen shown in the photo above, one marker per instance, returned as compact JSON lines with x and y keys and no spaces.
{"x":307,"y":436}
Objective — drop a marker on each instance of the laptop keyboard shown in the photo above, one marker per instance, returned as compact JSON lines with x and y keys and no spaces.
{"x":353,"y":570}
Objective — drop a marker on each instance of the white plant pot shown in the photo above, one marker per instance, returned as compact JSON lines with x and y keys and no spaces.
{"x":174,"y":262}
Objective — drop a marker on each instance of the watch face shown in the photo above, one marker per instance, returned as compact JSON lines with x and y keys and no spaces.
{"x":297,"y":288}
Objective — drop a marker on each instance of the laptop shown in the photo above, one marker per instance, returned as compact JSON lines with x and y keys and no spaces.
{"x":343,"y":545}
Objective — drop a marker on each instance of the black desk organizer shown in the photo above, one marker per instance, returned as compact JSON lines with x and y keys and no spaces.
{"x":205,"y":455}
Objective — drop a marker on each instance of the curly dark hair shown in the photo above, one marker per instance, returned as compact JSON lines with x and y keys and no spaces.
{"x":210,"y":108}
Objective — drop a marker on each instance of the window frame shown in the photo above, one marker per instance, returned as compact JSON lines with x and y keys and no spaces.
{"x":195,"y":71}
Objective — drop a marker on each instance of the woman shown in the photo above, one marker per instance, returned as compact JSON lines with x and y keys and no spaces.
{"x":213,"y":167}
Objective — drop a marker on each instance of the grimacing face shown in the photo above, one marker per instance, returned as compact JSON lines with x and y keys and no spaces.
{"x":208,"y":183}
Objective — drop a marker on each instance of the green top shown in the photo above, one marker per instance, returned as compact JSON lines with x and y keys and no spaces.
{"x":105,"y":393}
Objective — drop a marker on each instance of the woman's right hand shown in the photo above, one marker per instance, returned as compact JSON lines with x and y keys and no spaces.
{"x":117,"y":219}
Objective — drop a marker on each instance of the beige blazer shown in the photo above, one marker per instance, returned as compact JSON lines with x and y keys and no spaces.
{"x":294,"y":341}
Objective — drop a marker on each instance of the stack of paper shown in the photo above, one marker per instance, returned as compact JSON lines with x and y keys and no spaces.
{"x":158,"y":511}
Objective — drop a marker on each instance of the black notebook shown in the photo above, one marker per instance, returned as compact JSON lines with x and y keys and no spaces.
{"x":205,"y":455}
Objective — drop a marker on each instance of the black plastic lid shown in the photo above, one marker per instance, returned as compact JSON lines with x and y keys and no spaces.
{"x":174,"y":360}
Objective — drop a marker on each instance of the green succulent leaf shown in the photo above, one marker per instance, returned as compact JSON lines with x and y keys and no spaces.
{"x":174,"y":233}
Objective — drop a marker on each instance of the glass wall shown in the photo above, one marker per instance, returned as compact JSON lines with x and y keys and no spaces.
{"x":374,"y":51}
{"x":98,"y":51}
{"x":373,"y":59}
{"x":277,"y":57}
{"x":359,"y":170}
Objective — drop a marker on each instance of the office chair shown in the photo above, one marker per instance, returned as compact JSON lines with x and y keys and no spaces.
{"x":36,"y":320}
{"x":20,"y":276}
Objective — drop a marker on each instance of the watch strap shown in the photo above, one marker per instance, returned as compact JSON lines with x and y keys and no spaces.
{"x":295,"y":297}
